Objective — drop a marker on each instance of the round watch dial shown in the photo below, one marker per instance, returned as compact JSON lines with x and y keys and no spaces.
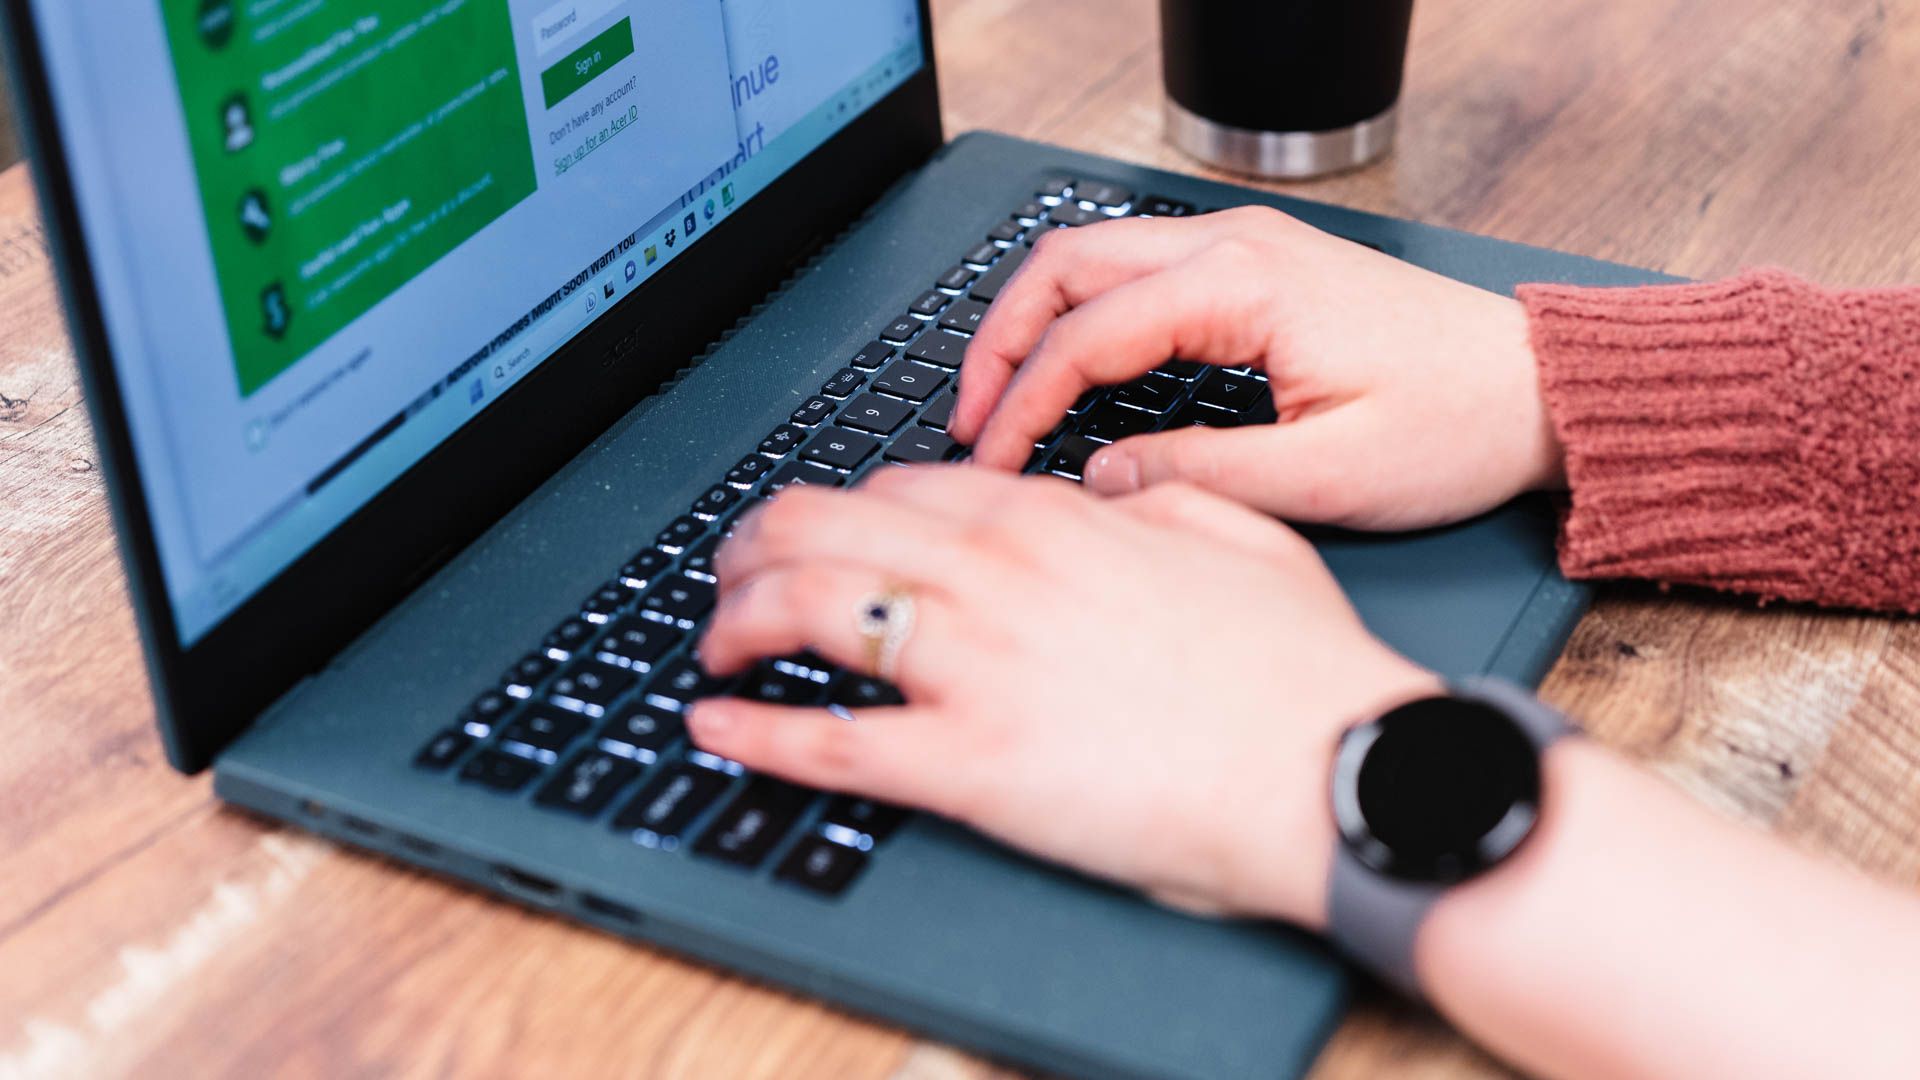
{"x":1436,"y":790}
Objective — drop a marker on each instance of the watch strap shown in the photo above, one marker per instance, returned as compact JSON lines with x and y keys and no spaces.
{"x":1375,"y":919}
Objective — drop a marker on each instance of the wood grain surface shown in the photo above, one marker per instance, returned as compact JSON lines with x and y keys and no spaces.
{"x":145,"y":930}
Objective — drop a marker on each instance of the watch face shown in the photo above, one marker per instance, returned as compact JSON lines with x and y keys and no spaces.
{"x":1436,"y":790}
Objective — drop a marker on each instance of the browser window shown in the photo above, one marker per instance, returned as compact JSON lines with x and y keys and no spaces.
{"x":328,"y":232}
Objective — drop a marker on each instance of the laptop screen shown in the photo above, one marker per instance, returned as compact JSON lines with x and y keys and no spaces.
{"x":326,"y":233}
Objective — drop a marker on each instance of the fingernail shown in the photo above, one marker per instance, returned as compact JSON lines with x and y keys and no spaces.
{"x":1113,"y":472}
{"x":707,"y":719}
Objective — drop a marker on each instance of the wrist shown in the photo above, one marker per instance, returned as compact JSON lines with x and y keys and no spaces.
{"x":1546,"y":454}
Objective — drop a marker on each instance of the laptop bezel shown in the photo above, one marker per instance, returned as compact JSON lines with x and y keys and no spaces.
{"x":206,"y":695}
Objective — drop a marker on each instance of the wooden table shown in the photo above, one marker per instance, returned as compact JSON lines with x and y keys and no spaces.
{"x":144,"y":929}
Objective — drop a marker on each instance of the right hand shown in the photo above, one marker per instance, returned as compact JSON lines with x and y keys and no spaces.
{"x":1406,"y":399}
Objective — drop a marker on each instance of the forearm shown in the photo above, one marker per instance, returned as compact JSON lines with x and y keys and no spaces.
{"x":1636,"y":934}
{"x":1759,"y":435}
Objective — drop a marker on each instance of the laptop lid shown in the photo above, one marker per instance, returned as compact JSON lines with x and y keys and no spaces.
{"x":348,"y":278}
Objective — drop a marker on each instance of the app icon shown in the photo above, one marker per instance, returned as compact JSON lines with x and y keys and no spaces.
{"x":652,"y":254}
{"x":726,"y":194}
{"x":255,"y":219}
{"x":215,"y":22}
{"x":607,"y":289}
{"x":593,"y":302}
{"x":475,"y":392}
{"x":669,"y":237}
{"x":691,"y":223}
{"x":274,"y":311}
{"x":709,"y":209}
{"x":238,"y":122}
{"x":633,"y":271}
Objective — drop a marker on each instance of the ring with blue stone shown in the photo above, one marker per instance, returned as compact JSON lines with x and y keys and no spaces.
{"x":886,"y":621}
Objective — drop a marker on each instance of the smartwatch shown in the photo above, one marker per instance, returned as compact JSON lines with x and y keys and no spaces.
{"x":1430,"y":795}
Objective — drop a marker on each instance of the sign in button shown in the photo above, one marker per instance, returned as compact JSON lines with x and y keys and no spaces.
{"x":586,"y":63}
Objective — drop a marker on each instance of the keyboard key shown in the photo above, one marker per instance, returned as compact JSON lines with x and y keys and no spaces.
{"x":635,"y":643}
{"x":775,"y":687}
{"x":1194,"y":414}
{"x":679,"y":600}
{"x":939,"y":412}
{"x":822,"y":866}
{"x":990,"y":283}
{"x":671,"y":801}
{"x":442,"y":750}
{"x":1226,"y":390}
{"x":590,"y":686}
{"x":915,"y":382}
{"x":1006,"y":232}
{"x":807,"y":665}
{"x":587,"y":783}
{"x":958,"y":278}
{"x":1055,"y":187}
{"x":901,"y":330}
{"x":940,"y":350}
{"x":799,"y":473}
{"x":983,"y":255}
{"x":875,"y":819}
{"x":1071,"y":459}
{"x":545,"y":727}
{"x":1184,"y":370}
{"x":676,"y":537}
{"x":879,"y":415}
{"x":814,"y":413}
{"x":863,"y":692}
{"x":783,"y":440}
{"x":872,"y":355}
{"x":643,"y":568}
{"x":682,"y":683}
{"x":488,"y":709}
{"x":844,"y":383}
{"x":1074,"y":215}
{"x":839,"y":449}
{"x":605,"y":602}
{"x":929,"y":303}
{"x":718,"y":500}
{"x":569,"y":637}
{"x":643,"y":726}
{"x":1086,"y":401}
{"x":527,"y":672}
{"x":1161,"y":206}
{"x":1110,"y":423}
{"x":1154,"y":395}
{"x":499,"y":770}
{"x":753,"y":823}
{"x":1107,"y":196}
{"x":697,"y":563}
{"x":1029,"y":211}
{"x":922,"y":446}
{"x":964,"y":316}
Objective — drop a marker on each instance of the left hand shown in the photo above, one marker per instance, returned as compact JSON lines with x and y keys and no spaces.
{"x":1148,"y":689}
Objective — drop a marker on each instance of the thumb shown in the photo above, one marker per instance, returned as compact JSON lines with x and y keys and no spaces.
{"x":1304,"y":470}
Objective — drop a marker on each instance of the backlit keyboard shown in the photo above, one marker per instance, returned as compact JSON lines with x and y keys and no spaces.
{"x":589,"y":721}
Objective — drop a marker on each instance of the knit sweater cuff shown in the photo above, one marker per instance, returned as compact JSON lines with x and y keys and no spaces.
{"x":1723,"y":435}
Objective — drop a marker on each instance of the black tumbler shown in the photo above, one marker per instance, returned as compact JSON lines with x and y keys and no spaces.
{"x":1283,"y":88}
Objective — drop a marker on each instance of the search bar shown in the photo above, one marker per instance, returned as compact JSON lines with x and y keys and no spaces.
{"x":561,"y":23}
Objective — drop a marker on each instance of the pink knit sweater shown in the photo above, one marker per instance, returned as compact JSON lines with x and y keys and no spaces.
{"x":1758,"y":435}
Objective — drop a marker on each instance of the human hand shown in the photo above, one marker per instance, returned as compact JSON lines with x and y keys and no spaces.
{"x":1406,"y":399}
{"x":1147,"y":688}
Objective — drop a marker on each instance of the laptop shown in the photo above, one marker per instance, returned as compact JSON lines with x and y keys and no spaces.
{"x":433,"y":345}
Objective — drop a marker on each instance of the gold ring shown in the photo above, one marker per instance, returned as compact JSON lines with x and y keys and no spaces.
{"x":886,"y":622}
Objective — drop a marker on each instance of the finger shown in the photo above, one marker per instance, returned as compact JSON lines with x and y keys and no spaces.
{"x":1304,"y":470}
{"x":1190,"y":509}
{"x":819,"y":607}
{"x":1068,"y":268}
{"x":1197,"y":310}
{"x":804,"y":524}
{"x":896,"y":755}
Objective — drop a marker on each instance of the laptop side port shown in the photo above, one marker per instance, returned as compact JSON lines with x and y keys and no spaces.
{"x":602,"y":908}
{"x":526,"y":886}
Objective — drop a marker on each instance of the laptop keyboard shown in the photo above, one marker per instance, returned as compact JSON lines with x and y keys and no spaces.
{"x":590,"y":721}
